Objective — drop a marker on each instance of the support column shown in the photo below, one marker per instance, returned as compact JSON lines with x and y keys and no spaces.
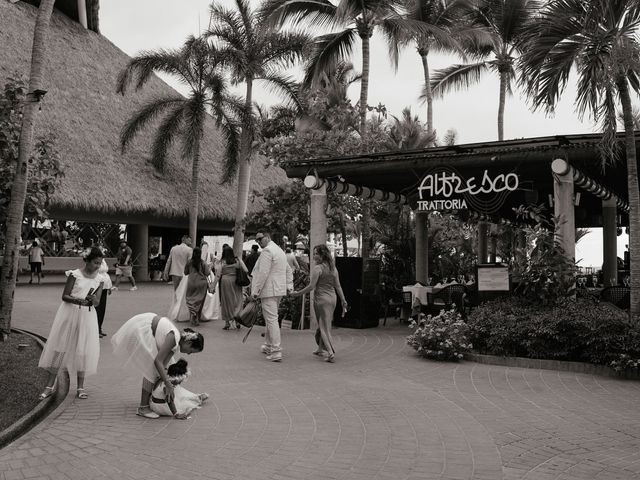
{"x":609,"y":242}
{"x":82,"y":12}
{"x":482,"y":242}
{"x":139,"y":243}
{"x":317,"y":232}
{"x":563,"y":206}
{"x":422,"y":246}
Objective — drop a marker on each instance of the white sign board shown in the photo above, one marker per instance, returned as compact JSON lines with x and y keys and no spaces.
{"x":493,"y":279}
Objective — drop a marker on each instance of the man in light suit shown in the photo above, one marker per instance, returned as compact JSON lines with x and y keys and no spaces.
{"x":272,"y":279}
{"x":178,"y":258}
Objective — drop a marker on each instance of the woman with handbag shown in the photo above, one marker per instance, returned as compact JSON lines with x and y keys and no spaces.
{"x":230,"y":282}
{"x":197,"y":272}
{"x":325,"y":282}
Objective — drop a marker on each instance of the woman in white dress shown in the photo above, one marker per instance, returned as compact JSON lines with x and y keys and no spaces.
{"x":178,"y":310}
{"x":184,"y":401}
{"x":73,"y":341}
{"x":148,"y":342}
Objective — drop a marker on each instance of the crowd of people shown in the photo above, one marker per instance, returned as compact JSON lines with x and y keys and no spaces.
{"x":204,"y":288}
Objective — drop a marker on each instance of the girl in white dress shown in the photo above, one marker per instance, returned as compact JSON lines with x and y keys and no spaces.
{"x":184,"y":401}
{"x":73,"y":341}
{"x":148,"y":342}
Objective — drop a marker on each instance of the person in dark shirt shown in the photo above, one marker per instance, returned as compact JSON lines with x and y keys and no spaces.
{"x":252,"y":258}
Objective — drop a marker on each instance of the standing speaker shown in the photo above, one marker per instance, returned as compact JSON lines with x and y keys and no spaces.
{"x":360,"y":283}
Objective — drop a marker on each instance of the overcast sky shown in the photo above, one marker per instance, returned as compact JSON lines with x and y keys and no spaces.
{"x":151,"y":24}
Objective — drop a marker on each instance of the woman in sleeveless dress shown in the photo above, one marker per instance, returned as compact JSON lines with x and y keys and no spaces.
{"x":73,"y":341}
{"x":325,"y":282}
{"x":148,"y":342}
{"x":197,"y":273}
{"x":230,"y":293}
{"x":187,"y":296}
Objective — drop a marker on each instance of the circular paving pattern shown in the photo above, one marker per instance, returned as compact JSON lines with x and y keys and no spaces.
{"x":379,"y":412}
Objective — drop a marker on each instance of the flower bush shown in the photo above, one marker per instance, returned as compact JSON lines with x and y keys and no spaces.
{"x":579,"y":330}
{"x":443,"y":337}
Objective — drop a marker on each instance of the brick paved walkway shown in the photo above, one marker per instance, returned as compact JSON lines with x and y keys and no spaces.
{"x":379,"y":412}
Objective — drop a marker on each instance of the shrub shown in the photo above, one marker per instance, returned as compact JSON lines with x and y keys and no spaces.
{"x":443,"y":337}
{"x":574,"y":330}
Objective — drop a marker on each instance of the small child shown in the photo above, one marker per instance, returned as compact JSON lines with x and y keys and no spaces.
{"x":184,"y":402}
{"x":73,"y":339}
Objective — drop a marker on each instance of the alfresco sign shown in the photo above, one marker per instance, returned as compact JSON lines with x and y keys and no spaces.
{"x":436,"y":189}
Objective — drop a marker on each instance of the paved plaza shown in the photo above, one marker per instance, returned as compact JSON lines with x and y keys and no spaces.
{"x":380,"y":412}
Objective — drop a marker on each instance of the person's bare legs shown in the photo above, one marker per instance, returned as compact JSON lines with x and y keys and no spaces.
{"x":81,"y":393}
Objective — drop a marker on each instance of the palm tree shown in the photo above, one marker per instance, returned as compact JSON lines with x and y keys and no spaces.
{"x":15,"y":211}
{"x":196,"y":66}
{"x":444,"y":21}
{"x":600,"y":39}
{"x":408,"y":133}
{"x":507,"y":23}
{"x":253,"y":52}
{"x":354,"y":19}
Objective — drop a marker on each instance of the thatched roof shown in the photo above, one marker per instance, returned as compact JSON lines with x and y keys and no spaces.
{"x":84,"y":112}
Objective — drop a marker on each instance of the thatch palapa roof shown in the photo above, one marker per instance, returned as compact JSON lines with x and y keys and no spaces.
{"x":86,"y":114}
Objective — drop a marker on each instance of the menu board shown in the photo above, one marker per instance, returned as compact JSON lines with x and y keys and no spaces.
{"x":494,"y":278}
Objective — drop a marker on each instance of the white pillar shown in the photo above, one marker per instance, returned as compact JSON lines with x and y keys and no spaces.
{"x":563,"y":208}
{"x":609,"y":242}
{"x":82,"y":12}
{"x":422,"y":246}
{"x":318,"y":230}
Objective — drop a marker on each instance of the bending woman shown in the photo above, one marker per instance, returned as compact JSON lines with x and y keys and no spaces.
{"x":148,"y":342}
{"x":325,"y":282}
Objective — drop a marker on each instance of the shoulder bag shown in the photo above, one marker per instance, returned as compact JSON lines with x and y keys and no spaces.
{"x":242,"y":278}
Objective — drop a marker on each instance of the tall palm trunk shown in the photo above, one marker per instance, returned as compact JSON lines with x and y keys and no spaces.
{"x":193,"y":204}
{"x":15,"y":211}
{"x":503,"y":97}
{"x":423,"y":51}
{"x":343,"y":234}
{"x":365,"y":34}
{"x":634,"y":198}
{"x":244,"y":173}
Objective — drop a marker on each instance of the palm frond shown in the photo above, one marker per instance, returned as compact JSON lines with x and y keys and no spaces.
{"x":285,"y":86}
{"x":328,"y":51}
{"x":283,"y":49}
{"x":165,"y":136}
{"x":316,"y":13}
{"x":144,"y":116}
{"x":231,"y":132}
{"x":146,"y":64}
{"x":193,"y":125}
{"x":456,"y":77}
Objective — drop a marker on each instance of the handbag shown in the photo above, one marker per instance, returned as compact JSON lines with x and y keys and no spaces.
{"x":248,"y":316}
{"x":242,"y":278}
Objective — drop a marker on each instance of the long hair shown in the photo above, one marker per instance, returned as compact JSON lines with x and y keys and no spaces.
{"x":325,"y":256}
{"x":228,"y":256}
{"x":196,"y":258}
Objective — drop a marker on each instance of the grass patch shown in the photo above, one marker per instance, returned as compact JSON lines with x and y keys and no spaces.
{"x":21,"y":381}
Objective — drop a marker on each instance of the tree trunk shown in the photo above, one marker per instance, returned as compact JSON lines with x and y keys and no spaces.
{"x":634,"y":199}
{"x":424,"y":51}
{"x":193,"y":204}
{"x":343,"y":234}
{"x":244,"y":174}
{"x":364,"y":85}
{"x":365,"y":35}
{"x":15,"y":210}
{"x":503,"y":97}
